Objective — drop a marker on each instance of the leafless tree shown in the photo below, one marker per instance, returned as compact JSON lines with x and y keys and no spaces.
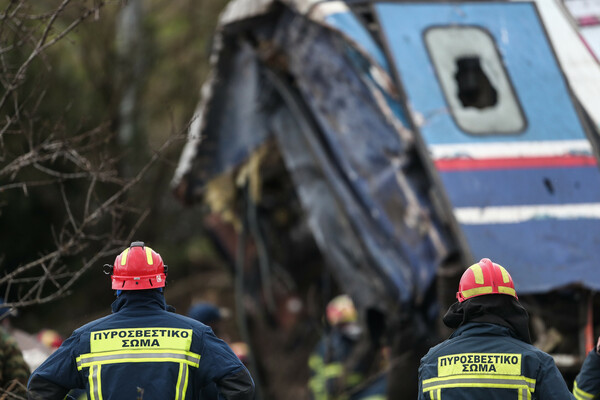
{"x":41,"y":154}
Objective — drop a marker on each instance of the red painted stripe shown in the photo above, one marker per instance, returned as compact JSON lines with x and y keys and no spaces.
{"x":587,"y":46}
{"x":464,"y":164}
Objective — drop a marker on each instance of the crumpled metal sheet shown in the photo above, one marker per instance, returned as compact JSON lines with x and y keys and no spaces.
{"x":361,"y":183}
{"x":228,"y":126}
{"x":375,"y":175}
{"x":239,"y":10}
{"x":333,"y":14}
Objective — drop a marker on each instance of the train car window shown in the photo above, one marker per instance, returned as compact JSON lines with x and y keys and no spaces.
{"x":476,"y":86}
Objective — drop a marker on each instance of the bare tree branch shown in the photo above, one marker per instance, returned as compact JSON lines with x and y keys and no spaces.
{"x":42,"y":45}
{"x":75,"y":168}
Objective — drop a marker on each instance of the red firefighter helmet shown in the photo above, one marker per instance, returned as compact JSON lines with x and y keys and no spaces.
{"x":138,"y":267}
{"x":485,"y":277}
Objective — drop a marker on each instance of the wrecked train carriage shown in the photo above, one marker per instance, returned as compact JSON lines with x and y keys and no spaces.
{"x":299,"y":112}
{"x":515,"y":151}
{"x":390,"y":145}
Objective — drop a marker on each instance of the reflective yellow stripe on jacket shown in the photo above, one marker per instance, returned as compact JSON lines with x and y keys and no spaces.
{"x":524,"y":386}
{"x":581,"y":394}
{"x":435,"y":394}
{"x":95,"y":383}
{"x":324,"y":372}
{"x":182,"y":381}
{"x":94,"y":361}
{"x":128,"y":356}
{"x":134,"y":345}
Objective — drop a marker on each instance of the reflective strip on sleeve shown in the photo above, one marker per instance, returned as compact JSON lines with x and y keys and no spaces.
{"x":182,"y":381}
{"x":315,"y":362}
{"x":581,"y":394}
{"x":333,"y":370}
{"x":316,"y":383}
{"x":482,"y":381}
{"x":435,"y":394}
{"x":114,"y":357}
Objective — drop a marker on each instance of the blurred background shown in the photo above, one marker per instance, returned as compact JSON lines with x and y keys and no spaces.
{"x":102,"y":111}
{"x":303,"y":166}
{"x":96,"y":103}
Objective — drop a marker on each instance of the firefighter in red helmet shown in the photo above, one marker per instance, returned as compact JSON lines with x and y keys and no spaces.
{"x":138,"y":267}
{"x":141,"y":350}
{"x":489,"y":355}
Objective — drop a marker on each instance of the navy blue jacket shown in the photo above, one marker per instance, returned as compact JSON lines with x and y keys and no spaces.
{"x":587,"y":382}
{"x":487,"y":361}
{"x":331,"y":377}
{"x":142,"y":351}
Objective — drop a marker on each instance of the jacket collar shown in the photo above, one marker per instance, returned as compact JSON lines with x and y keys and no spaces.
{"x":137,"y":299}
{"x":483,"y":328}
{"x":497,"y":309}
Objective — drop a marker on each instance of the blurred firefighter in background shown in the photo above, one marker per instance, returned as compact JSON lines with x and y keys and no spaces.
{"x":587,"y":382}
{"x":342,"y":360}
{"x":210,"y":315}
{"x":14,"y":371}
{"x":143,"y":349}
{"x":490,"y":354}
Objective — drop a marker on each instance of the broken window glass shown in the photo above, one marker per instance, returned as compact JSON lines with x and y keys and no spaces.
{"x":472,"y":76}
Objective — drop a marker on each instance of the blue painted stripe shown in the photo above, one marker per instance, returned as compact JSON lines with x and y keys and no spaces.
{"x":542,"y":254}
{"x":484,"y":188}
{"x":520,"y":38}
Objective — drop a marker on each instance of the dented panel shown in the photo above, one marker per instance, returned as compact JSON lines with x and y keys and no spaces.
{"x":525,"y":194}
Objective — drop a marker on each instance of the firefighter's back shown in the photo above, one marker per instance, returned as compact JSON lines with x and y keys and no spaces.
{"x":149,"y":355}
{"x":487,"y":361}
